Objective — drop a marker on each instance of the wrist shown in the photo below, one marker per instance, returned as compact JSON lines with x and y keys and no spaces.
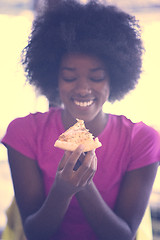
{"x":86,"y":190}
{"x":61,"y":193}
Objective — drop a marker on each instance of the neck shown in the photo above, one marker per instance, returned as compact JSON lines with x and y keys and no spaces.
{"x":95,"y":126}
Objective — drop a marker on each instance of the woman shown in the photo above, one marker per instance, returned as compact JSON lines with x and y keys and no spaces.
{"x":81,"y":56}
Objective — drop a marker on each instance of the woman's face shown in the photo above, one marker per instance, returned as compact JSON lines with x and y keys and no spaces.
{"x":83,"y":86}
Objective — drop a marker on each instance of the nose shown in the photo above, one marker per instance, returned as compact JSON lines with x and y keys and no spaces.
{"x":83,"y":87}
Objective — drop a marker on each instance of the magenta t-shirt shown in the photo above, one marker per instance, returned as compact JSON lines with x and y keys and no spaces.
{"x":125,"y":146}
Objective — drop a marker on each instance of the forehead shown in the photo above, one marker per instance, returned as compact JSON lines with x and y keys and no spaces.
{"x":77,"y":60}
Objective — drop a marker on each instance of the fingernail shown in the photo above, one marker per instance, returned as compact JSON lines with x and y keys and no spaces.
{"x":81,"y":147}
{"x":93,"y":151}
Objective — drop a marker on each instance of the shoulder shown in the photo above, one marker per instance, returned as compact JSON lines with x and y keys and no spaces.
{"x":120,"y":120}
{"x":35,"y":120}
{"x":25,"y":133}
{"x":120,"y":125}
{"x":32,"y":125}
{"x":140,"y":135}
{"x":147,"y":134}
{"x":137,"y":128}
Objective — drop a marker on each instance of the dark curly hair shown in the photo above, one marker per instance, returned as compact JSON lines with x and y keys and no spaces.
{"x":93,"y":29}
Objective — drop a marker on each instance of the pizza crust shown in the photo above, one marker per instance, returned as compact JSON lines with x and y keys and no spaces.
{"x":71,"y":146}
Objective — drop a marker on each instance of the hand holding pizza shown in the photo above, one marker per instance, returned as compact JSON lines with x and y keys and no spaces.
{"x":70,"y":181}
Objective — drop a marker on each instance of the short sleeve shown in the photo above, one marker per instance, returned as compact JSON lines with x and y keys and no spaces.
{"x":145,"y":146}
{"x":20,"y":135}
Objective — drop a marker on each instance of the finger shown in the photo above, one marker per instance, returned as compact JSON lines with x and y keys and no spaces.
{"x":95,"y":163}
{"x":88,"y":176}
{"x":87,"y":162}
{"x":73,"y":159}
{"x":86,"y":169}
{"x":94,"y":167}
{"x":64,"y":160}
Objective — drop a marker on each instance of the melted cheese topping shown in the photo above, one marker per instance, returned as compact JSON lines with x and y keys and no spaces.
{"x":77,"y":133}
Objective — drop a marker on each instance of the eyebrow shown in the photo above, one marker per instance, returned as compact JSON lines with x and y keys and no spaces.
{"x":68,"y":68}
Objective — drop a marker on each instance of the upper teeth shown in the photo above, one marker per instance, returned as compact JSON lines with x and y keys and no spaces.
{"x":83,"y":104}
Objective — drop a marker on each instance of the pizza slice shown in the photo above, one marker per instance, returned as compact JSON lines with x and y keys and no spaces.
{"x":76,"y":135}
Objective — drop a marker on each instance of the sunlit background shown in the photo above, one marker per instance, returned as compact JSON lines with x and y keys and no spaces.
{"x":19,"y":99}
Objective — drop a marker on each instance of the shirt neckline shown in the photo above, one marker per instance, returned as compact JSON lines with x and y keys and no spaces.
{"x":62,"y":129}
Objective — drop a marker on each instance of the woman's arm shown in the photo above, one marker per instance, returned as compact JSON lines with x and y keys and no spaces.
{"x":41,"y":217}
{"x":123,"y":222}
{"x":37,"y":212}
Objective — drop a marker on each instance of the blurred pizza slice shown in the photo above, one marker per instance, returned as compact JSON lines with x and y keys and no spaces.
{"x":76,"y":135}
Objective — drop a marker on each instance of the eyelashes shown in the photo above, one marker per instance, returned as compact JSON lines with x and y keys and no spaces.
{"x":97,"y":79}
{"x":91,"y":79}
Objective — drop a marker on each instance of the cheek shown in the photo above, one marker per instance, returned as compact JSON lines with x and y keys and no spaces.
{"x":64,"y":90}
{"x":61,"y":90}
{"x":105,"y":90}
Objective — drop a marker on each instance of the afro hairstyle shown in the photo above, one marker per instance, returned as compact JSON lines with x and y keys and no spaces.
{"x":95,"y":29}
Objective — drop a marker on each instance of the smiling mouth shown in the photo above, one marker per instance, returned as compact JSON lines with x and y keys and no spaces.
{"x":83,"y":104}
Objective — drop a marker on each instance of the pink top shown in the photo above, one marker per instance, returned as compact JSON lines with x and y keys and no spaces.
{"x":125,"y":146}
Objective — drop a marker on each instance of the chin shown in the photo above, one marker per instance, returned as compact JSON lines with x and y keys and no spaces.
{"x":84,"y":117}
